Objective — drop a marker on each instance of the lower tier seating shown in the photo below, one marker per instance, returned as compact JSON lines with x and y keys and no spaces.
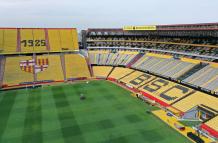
{"x":54,"y":70}
{"x":213,"y":123}
{"x":76,"y":66}
{"x":138,"y":79}
{"x":101,"y":71}
{"x":181,"y":97}
{"x":41,"y":68}
{"x":165,"y":90}
{"x":120,"y":72}
{"x":189,"y":72}
{"x":14,"y":74}
{"x":196,"y":99}
{"x":131,"y":77}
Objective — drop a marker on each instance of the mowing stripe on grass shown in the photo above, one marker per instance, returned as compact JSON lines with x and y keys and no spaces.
{"x":13,"y":132}
{"x":1,"y":96}
{"x":6,"y":105}
{"x":69,"y":127}
{"x":51,"y":127}
{"x":32,"y":124}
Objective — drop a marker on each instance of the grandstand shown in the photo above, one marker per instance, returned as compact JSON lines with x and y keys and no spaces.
{"x":166,"y":66}
{"x":177,"y":66}
{"x":197,"y":41}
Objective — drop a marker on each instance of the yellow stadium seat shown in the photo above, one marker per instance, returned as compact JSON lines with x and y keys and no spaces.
{"x":40,"y":41}
{"x":159,"y":55}
{"x":33,"y":40}
{"x":9,"y":40}
{"x":102,"y":71}
{"x":54,"y":40}
{"x":63,"y":39}
{"x":120,"y":72}
{"x":66,"y":38}
{"x":13,"y":74}
{"x":130,"y":77}
{"x":196,"y":99}
{"x":165,"y":90}
{"x":75,"y":39}
{"x":76,"y":66}
{"x":213,"y":123}
{"x":1,"y":40}
{"x":141,"y":80}
{"x":27,"y":40}
{"x":54,"y":70}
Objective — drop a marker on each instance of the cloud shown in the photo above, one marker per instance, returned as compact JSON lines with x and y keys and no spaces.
{"x":104,"y":13}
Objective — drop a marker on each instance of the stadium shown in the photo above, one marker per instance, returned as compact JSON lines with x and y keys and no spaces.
{"x":151,"y":84}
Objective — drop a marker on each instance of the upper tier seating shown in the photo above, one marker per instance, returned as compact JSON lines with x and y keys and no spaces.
{"x":175,"y":44}
{"x":30,"y":40}
{"x":63,"y":39}
{"x":8,"y":40}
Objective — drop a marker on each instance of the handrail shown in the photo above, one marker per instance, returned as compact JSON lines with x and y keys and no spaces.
{"x":156,"y":42}
{"x":156,"y":50}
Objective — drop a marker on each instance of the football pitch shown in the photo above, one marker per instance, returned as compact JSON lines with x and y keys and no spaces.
{"x":56,"y":114}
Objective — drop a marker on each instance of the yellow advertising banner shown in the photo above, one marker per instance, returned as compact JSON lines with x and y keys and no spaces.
{"x":139,"y":28}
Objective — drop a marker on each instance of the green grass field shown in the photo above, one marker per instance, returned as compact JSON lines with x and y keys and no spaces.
{"x":55,"y":114}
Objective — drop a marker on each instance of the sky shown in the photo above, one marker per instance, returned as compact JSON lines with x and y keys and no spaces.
{"x":83,"y":14}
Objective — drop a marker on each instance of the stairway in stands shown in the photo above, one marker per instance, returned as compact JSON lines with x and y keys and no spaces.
{"x":89,"y":66}
{"x":35,"y":74}
{"x":110,"y":72}
{"x":63,"y":66}
{"x":192,"y":71}
{"x":2,"y":66}
{"x":86,"y":55}
{"x":135,"y":59}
